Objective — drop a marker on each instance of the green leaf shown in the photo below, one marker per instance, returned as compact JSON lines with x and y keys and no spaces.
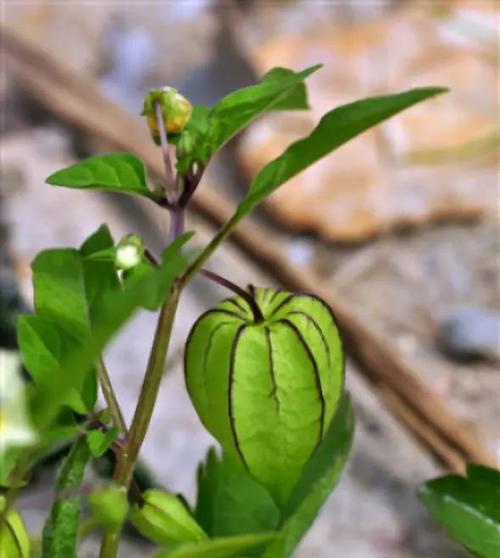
{"x":99,"y":274}
{"x":59,"y":285}
{"x":61,"y":529}
{"x":230,"y":501}
{"x":68,"y":286}
{"x":468,"y":508}
{"x":209,"y":128}
{"x":235,"y":111}
{"x":99,"y":442}
{"x":295,"y":99}
{"x":114,"y":172}
{"x":152,"y":299}
{"x":115,"y":307}
{"x":44,"y":346}
{"x":225,"y":547}
{"x":336,"y":128}
{"x":319,"y":478}
{"x":481,"y":473}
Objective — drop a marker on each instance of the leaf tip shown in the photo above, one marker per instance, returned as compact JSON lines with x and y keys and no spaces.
{"x":53,"y":178}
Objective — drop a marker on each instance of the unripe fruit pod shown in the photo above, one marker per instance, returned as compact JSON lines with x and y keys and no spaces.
{"x":14,"y":540}
{"x":109,"y":506}
{"x":163,"y":519}
{"x":267,"y":390}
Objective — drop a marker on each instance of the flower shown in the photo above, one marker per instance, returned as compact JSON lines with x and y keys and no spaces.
{"x":129,"y":252}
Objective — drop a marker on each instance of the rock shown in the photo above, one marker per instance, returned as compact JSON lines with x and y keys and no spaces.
{"x":437,"y":160}
{"x":469,"y":333}
{"x":159,"y":41}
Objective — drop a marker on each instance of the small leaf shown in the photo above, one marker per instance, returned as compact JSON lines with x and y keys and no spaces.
{"x":295,"y":99}
{"x":99,"y":273}
{"x":336,"y":128}
{"x":115,"y":307}
{"x":319,"y":478}
{"x":235,"y":111}
{"x":44,"y":346}
{"x":59,"y":285}
{"x":226,"y":547}
{"x":230,"y":501}
{"x":114,"y":172}
{"x":99,"y":442}
{"x":209,"y":128}
{"x":468,"y":508}
{"x":68,"y":286}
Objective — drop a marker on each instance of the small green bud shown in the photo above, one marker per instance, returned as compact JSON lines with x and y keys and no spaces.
{"x":175,"y":108}
{"x":164,"y":519}
{"x":267,"y":384}
{"x":129,"y":252}
{"x":14,"y":540}
{"x":185,"y":144}
{"x":109,"y":506}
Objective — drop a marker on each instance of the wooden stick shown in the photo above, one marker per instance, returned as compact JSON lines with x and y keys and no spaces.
{"x":77,"y":100}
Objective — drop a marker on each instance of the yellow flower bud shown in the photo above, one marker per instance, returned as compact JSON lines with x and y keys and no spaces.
{"x":175,"y":108}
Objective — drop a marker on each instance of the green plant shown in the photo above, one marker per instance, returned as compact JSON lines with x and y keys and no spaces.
{"x":271,"y":384}
{"x":468,"y":507}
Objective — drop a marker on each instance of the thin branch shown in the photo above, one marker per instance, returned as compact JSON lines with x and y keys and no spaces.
{"x":250,"y":300}
{"x":165,"y":151}
{"x":110,"y":396}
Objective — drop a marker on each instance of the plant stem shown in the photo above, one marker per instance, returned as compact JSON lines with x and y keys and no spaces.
{"x":165,"y":151}
{"x":250,"y":300}
{"x":176,"y":223}
{"x":144,"y":410}
{"x":196,"y":266}
{"x":110,"y":396}
{"x":149,"y":391}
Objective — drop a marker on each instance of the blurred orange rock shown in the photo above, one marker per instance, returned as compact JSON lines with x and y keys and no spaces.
{"x":437,"y":160}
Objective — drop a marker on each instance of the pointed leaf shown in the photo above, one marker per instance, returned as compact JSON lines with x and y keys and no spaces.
{"x":115,"y":307}
{"x":295,"y":99}
{"x":210,"y":128}
{"x":44,"y":346}
{"x":59,"y":285}
{"x":114,"y":172}
{"x":68,"y":285}
{"x":468,"y":508}
{"x":238,"y":109}
{"x":336,"y":128}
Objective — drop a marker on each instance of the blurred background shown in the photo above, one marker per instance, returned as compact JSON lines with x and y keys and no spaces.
{"x":399,"y":228}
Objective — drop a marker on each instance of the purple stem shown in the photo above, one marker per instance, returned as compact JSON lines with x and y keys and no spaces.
{"x":216,"y":278}
{"x":176,"y":223}
{"x":165,"y":151}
